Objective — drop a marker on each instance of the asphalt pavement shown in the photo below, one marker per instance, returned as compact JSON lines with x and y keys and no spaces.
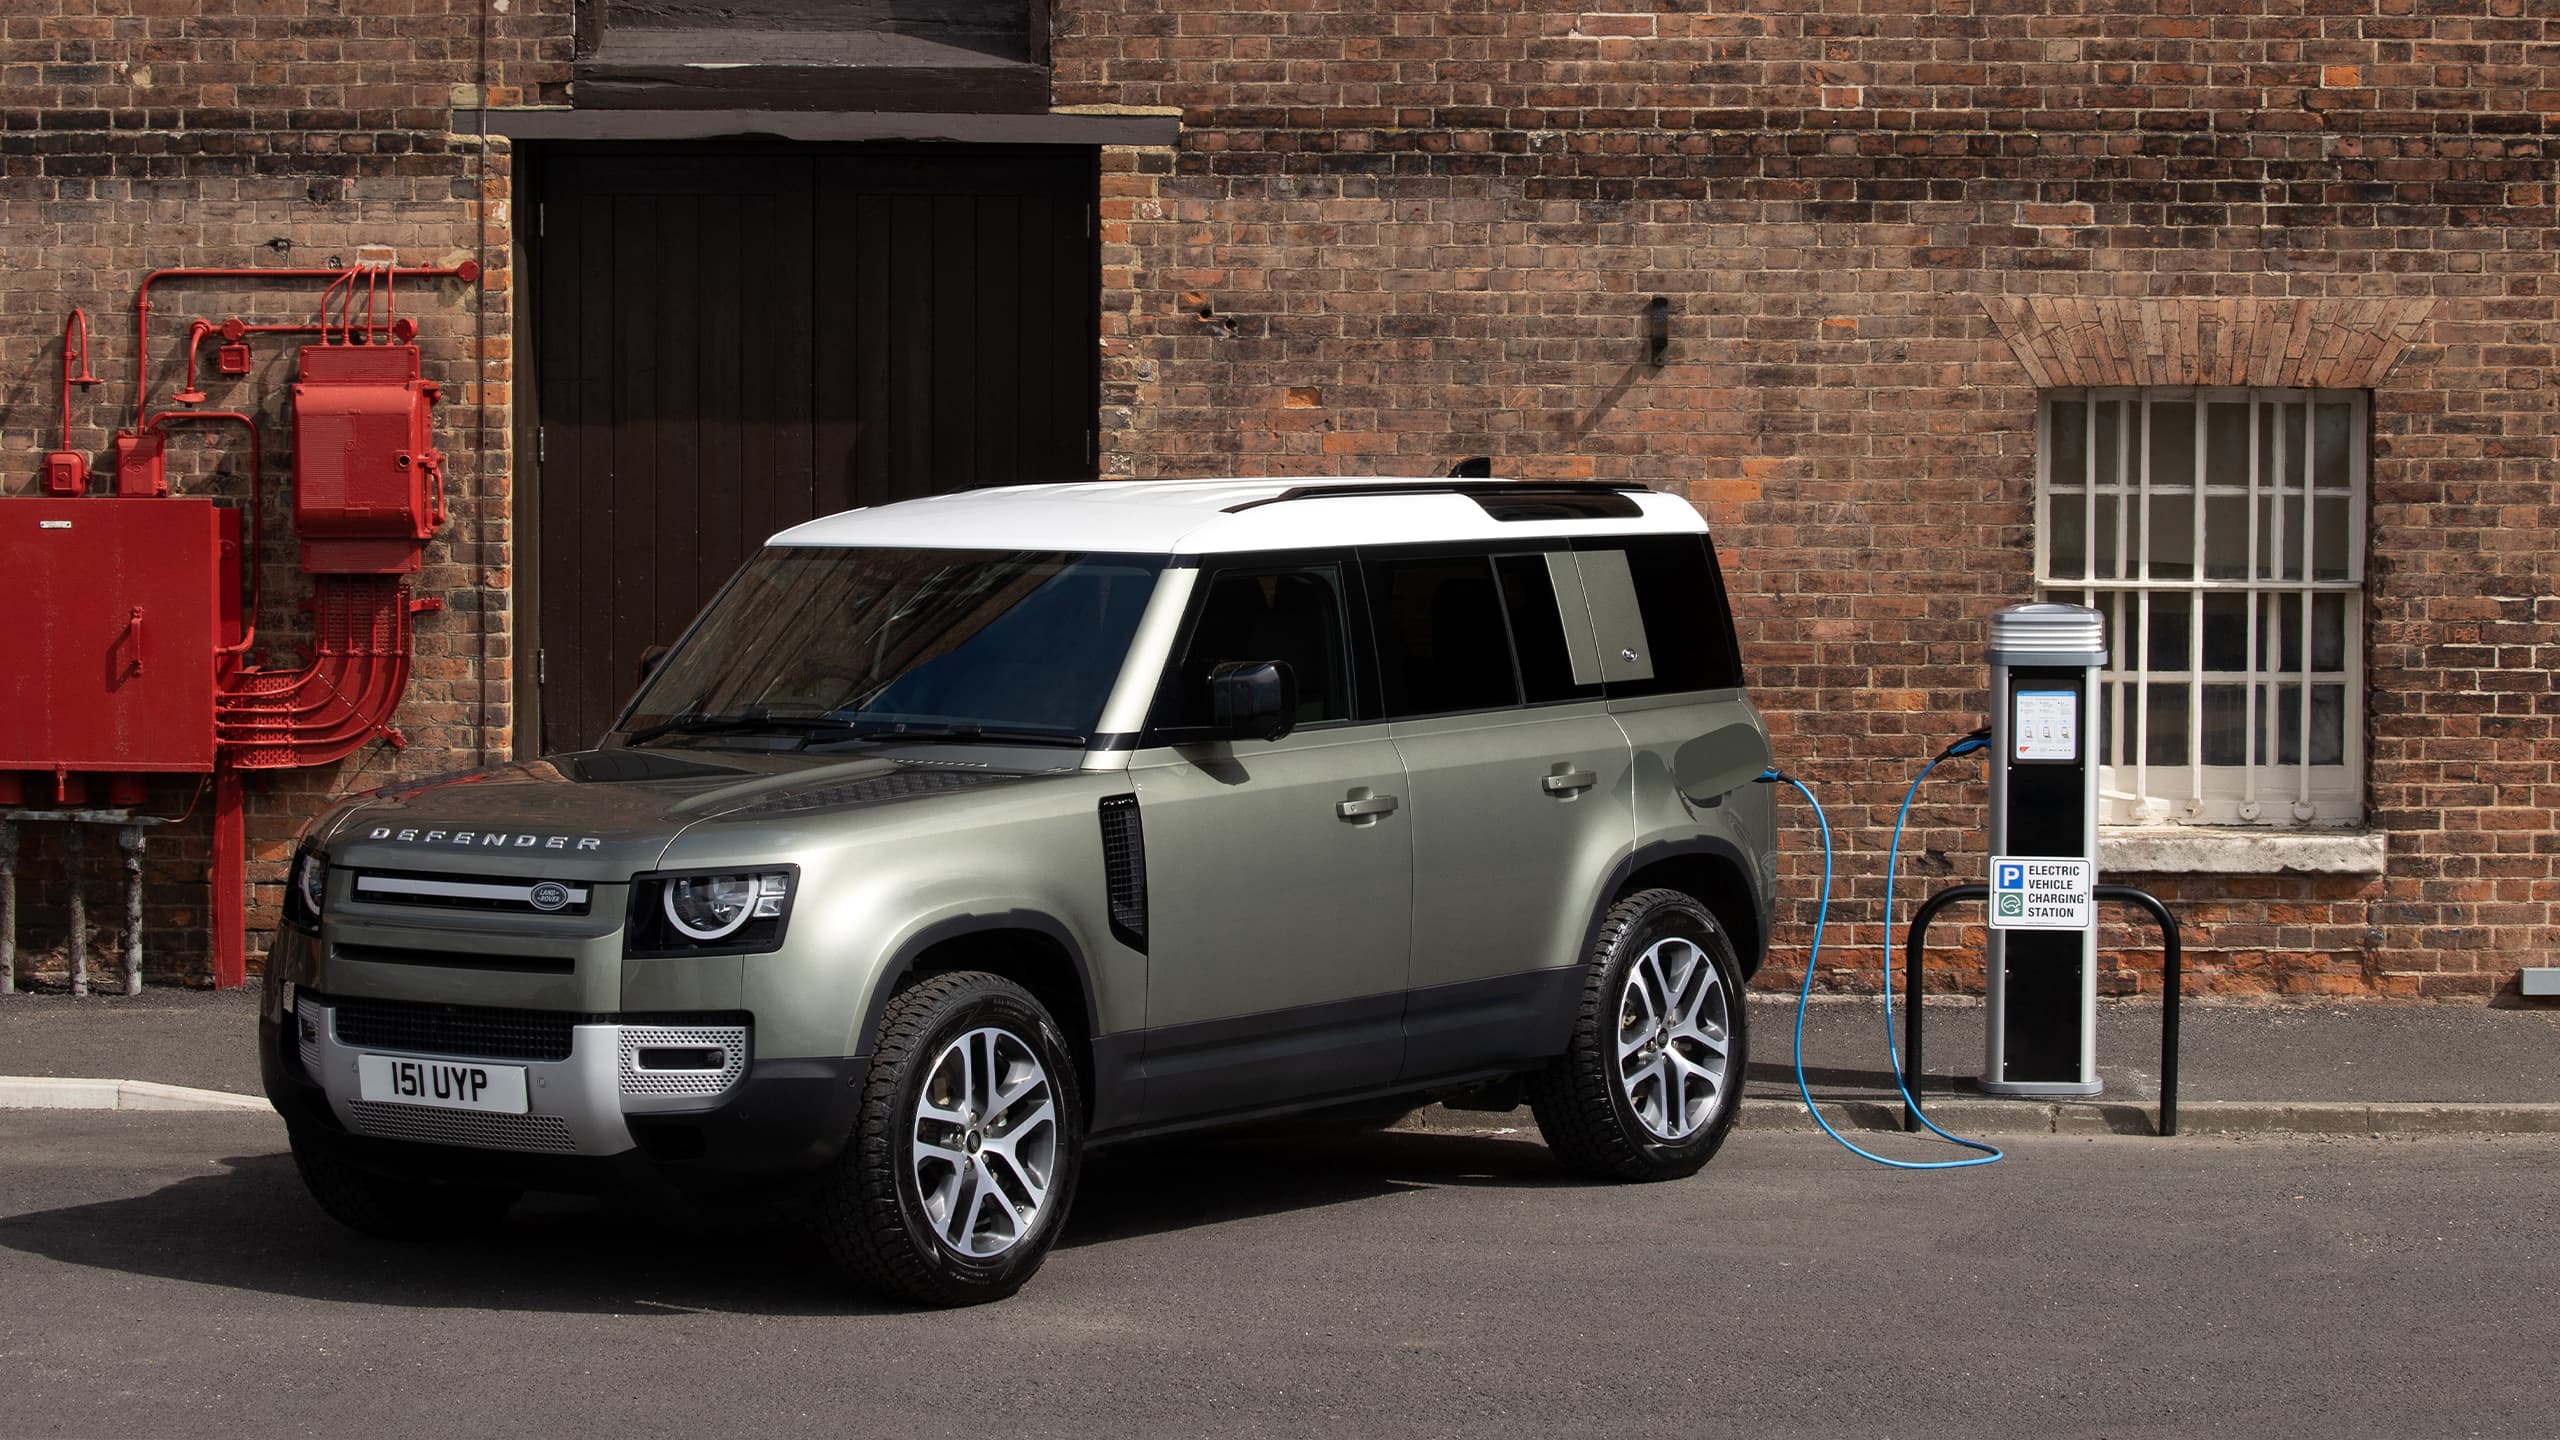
{"x":164,"y":1274}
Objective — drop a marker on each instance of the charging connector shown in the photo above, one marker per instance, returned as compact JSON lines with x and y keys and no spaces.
{"x":1978,"y":740}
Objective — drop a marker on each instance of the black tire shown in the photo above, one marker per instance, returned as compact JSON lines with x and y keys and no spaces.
{"x":389,"y":1209}
{"x":874,"y":1212}
{"x":1582,"y":1100}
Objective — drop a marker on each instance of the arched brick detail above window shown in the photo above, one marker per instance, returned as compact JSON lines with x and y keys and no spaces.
{"x":2064,"y":341}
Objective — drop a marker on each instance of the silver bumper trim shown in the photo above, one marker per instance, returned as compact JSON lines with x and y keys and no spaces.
{"x":576,"y":1105}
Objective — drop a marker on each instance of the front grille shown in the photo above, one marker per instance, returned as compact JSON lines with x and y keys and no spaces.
{"x":484,"y":894}
{"x":547,"y":1133}
{"x":637,"y":1040}
{"x":476,"y":1030}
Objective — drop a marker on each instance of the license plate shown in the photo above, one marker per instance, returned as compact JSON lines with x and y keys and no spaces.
{"x":447,"y":1084}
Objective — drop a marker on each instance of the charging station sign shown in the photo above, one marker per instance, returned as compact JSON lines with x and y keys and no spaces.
{"x":2036,"y":893}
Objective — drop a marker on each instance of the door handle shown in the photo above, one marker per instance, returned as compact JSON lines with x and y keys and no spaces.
{"x":1364,"y":807}
{"x":1568,"y":782}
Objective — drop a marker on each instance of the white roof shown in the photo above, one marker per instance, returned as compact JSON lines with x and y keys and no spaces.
{"x":1197,"y":517}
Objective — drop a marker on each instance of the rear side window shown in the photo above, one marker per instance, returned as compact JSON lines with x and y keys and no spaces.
{"x":1682,"y":599}
{"x":1442,"y":642}
{"x":1537,"y":630}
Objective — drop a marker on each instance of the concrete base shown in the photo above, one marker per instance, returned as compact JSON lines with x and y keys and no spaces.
{"x":2043,"y":1089}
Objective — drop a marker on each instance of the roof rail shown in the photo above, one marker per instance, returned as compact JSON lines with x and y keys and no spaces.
{"x":1501,"y":499}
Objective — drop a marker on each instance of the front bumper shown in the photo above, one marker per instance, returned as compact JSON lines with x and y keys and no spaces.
{"x":596,"y":1119}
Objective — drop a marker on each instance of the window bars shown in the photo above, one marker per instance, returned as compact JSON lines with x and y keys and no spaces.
{"x":2221,"y":534}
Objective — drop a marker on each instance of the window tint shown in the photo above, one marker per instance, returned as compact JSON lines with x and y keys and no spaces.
{"x":1441,"y":640}
{"x":1293,"y":614}
{"x":1685,"y":616}
{"x":1537,"y":630}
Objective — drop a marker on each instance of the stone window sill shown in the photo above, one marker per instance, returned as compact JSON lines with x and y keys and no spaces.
{"x":2232,"y":850}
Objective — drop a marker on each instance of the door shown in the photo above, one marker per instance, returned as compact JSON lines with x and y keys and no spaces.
{"x":728,"y":343}
{"x":1521,"y":788}
{"x":1279,"y":873}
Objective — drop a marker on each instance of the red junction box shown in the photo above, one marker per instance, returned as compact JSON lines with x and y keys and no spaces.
{"x":107,"y":627}
{"x":368,"y":484}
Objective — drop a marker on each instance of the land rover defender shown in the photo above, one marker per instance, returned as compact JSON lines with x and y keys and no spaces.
{"x":962,"y":835}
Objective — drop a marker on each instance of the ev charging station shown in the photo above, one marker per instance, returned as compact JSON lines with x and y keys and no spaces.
{"x":2040,"y":1028}
{"x":2041,"y":1023}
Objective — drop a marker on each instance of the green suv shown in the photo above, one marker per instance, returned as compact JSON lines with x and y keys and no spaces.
{"x":962,"y":835}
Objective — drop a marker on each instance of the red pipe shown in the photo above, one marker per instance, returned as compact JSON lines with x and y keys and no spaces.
{"x":467,"y":271}
{"x":230,"y":880}
{"x":257,"y":474}
{"x":195,"y":340}
{"x":79,"y":318}
{"x":274,"y":719}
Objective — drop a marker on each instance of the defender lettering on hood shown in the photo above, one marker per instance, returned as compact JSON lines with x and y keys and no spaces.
{"x":487,"y":839}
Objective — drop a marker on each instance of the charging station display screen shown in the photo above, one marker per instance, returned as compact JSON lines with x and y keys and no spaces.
{"x":2045,"y":725}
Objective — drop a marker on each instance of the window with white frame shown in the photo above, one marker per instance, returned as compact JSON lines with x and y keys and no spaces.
{"x":2221,"y":535}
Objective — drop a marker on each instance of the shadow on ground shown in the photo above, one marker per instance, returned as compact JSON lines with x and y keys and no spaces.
{"x":250,"y":1226}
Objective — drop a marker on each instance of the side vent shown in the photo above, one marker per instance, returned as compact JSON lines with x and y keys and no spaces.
{"x":1124,"y":870}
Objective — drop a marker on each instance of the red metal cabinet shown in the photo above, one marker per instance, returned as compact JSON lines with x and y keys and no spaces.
{"x":368,"y":484}
{"x":107,"y":659}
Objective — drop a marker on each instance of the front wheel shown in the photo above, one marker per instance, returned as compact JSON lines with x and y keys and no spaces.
{"x":964,"y":1159}
{"x":1652,"y":1080}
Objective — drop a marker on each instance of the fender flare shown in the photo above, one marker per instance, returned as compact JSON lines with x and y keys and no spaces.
{"x":902,"y":962}
{"x":1709,"y":846}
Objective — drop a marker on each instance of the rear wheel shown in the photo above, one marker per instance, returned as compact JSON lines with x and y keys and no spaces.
{"x":1651,"y":1083}
{"x":965,"y":1156}
{"x":389,"y":1209}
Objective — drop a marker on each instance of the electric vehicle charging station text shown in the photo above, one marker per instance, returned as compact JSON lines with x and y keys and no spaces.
{"x":2040,"y":1029}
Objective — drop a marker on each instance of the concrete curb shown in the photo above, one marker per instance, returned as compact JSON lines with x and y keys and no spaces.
{"x":2096,"y":1117}
{"x":47,"y":1092}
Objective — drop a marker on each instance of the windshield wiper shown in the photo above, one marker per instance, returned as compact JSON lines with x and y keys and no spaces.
{"x":696,"y":723}
{"x":962,"y":731}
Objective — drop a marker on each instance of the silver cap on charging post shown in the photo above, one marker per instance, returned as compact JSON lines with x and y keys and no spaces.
{"x":2048,"y":634}
{"x":2041,"y":988}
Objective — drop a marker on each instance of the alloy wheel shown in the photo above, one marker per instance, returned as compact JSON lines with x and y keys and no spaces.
{"x":985,"y":1145}
{"x":1674,"y":1038}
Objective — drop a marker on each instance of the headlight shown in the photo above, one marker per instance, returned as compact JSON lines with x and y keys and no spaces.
{"x":737,"y":913}
{"x":306,"y":889}
{"x":715,"y":907}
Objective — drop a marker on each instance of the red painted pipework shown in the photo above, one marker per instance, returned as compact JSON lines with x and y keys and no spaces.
{"x":257,"y":473}
{"x":467,"y":271}
{"x":79,"y":318}
{"x":195,"y":339}
{"x":277,"y":719}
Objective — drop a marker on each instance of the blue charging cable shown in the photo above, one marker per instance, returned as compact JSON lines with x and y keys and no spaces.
{"x":1804,"y":996}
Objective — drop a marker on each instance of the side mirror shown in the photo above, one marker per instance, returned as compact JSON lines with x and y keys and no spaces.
{"x":1252,"y":699}
{"x":650,"y":660}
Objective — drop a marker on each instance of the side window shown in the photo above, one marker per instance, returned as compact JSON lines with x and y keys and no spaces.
{"x":1537,"y":630}
{"x":1292,"y":613}
{"x":1442,"y":643}
{"x":1685,"y":616}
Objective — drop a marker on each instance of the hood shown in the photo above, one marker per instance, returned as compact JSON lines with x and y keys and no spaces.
{"x":603,"y":814}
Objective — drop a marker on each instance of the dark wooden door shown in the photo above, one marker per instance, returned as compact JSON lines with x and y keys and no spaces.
{"x":729,"y":344}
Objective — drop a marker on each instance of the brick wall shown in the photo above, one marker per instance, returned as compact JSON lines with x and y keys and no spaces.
{"x":1397,"y":234}
{"x":267,"y":133}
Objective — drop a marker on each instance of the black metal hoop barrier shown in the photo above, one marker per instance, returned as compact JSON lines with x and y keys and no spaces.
{"x":1914,"y":947}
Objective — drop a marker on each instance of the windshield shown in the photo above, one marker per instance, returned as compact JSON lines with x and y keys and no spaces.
{"x":831,"y":642}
